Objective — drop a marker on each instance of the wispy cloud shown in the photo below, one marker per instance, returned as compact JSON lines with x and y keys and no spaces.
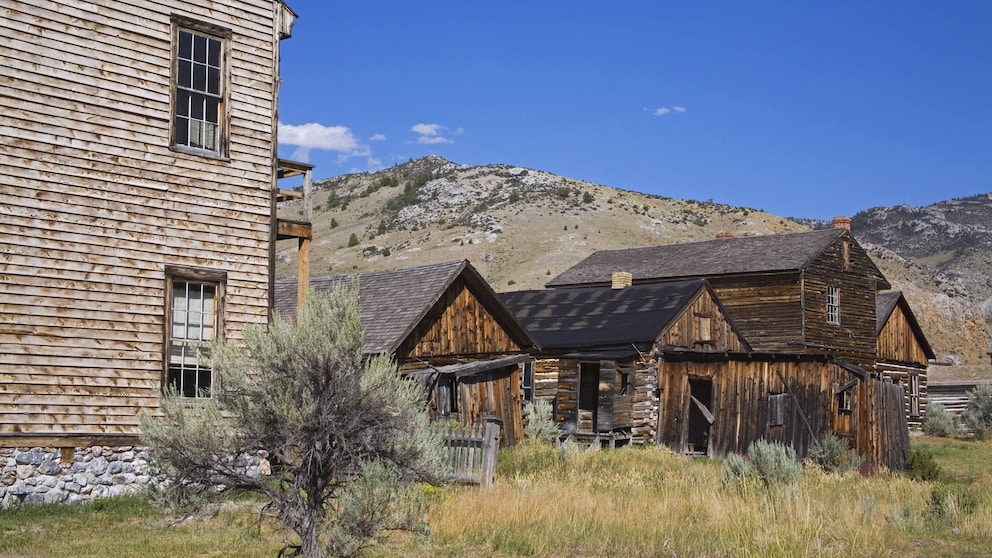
{"x":663,"y":110}
{"x":432,"y":134}
{"x":309,"y":136}
{"x":378,"y":137}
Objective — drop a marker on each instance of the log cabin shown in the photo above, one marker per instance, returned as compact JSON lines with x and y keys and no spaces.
{"x":598,"y":363}
{"x":445,"y":327}
{"x":904,"y":354}
{"x":805,"y":303}
{"x":138,"y":191}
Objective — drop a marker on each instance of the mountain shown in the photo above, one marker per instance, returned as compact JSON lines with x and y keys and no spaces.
{"x":521,"y":227}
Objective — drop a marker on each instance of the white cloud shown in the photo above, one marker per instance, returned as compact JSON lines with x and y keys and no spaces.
{"x":432,"y":134}
{"x":378,"y":137}
{"x":317,"y":136}
{"x":663,"y":110}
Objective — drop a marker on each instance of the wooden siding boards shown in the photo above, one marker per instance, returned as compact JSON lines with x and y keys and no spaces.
{"x":434,"y":317}
{"x":903,"y":352}
{"x":95,"y":204}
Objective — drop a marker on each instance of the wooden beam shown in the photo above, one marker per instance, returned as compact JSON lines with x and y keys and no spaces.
{"x":302,"y":272}
{"x":294,"y":229}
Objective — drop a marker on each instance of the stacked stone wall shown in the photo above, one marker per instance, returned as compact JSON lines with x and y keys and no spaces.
{"x":51,"y":476}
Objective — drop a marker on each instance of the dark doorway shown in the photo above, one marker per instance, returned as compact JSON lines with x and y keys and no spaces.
{"x":700,"y":416}
{"x":588,"y":395}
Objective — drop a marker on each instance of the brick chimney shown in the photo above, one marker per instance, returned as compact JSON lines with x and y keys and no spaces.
{"x":842,"y":223}
{"x":725,"y":234}
{"x":622,"y":279}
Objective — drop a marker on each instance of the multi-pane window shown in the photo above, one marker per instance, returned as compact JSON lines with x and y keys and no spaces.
{"x":914,"y":395}
{"x":833,"y":305}
{"x":199,"y":101}
{"x":193,"y":325}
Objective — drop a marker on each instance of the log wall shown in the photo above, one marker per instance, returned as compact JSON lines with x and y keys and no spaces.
{"x":94,"y":204}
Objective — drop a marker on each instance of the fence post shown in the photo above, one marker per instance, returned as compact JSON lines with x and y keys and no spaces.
{"x":490,"y":447}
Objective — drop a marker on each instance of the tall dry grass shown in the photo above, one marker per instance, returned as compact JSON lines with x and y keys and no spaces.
{"x":651,"y":502}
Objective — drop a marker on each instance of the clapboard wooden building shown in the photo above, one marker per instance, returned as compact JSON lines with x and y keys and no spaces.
{"x":598,"y":361}
{"x":904,"y":353}
{"x":138,"y":186}
{"x":805,"y":303}
{"x":444,"y":326}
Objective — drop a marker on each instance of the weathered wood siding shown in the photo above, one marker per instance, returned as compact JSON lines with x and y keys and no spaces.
{"x":94,"y":204}
{"x":854,"y":337}
{"x":493,"y":393}
{"x":459,"y":324}
{"x":702,"y":326}
{"x":767,"y":309}
{"x":740,"y":402}
{"x":897,"y":341}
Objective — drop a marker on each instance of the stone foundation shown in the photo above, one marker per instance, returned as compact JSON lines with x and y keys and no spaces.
{"x":70,"y":475}
{"x":73,"y":475}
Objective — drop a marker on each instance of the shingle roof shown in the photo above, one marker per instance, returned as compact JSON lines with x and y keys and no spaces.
{"x":600,"y":316}
{"x":723,"y":256}
{"x":392,"y":303}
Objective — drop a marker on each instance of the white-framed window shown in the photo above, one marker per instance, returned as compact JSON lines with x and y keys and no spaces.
{"x":199,"y":87}
{"x":194,"y":322}
{"x":845,"y":402}
{"x":833,"y":305}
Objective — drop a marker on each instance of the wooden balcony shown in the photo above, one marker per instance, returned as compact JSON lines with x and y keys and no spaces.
{"x":302,"y":230}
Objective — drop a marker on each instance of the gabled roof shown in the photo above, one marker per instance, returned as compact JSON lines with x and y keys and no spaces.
{"x":601,"y":317}
{"x":886,"y":303}
{"x":393,"y":303}
{"x":710,"y":258}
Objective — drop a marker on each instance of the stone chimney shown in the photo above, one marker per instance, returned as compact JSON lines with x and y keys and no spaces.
{"x":842,"y":223}
{"x":622,"y":279}
{"x":725,"y":234}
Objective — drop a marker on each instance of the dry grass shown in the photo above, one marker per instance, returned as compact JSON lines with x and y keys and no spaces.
{"x":636,"y":502}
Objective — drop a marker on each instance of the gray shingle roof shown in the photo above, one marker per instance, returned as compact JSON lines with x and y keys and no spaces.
{"x":392,"y":303}
{"x":600,"y":316}
{"x":723,"y":256}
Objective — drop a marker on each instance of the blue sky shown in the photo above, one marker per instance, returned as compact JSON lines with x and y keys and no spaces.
{"x":803,"y":109}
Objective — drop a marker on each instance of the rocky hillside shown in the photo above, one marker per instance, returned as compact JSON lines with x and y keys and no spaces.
{"x":521,"y":227}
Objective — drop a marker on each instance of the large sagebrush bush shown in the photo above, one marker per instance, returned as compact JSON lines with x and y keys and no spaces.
{"x":773,"y":463}
{"x":939,"y":421}
{"x":834,"y":455}
{"x":977,"y":416}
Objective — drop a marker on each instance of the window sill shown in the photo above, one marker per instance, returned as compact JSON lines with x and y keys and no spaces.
{"x":200,"y":153}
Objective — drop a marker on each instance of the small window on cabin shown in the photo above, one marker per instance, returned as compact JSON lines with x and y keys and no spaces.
{"x":625,"y":383}
{"x":527,"y":380}
{"x":845,"y":402}
{"x":776,"y":409}
{"x":193,"y":325}
{"x":199,"y":89}
{"x":833,"y":305}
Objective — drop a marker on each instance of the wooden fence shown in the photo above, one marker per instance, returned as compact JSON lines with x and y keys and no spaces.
{"x":472,"y":451}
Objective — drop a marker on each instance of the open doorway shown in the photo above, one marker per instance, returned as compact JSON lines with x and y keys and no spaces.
{"x":588,"y":396}
{"x":700,"y":416}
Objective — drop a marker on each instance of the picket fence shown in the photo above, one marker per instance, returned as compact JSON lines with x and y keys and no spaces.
{"x":471,"y":450}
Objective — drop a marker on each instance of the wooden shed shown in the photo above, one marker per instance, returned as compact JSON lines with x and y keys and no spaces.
{"x":137,"y":204}
{"x":445,"y":326}
{"x":597,"y":350}
{"x":903,"y":352}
